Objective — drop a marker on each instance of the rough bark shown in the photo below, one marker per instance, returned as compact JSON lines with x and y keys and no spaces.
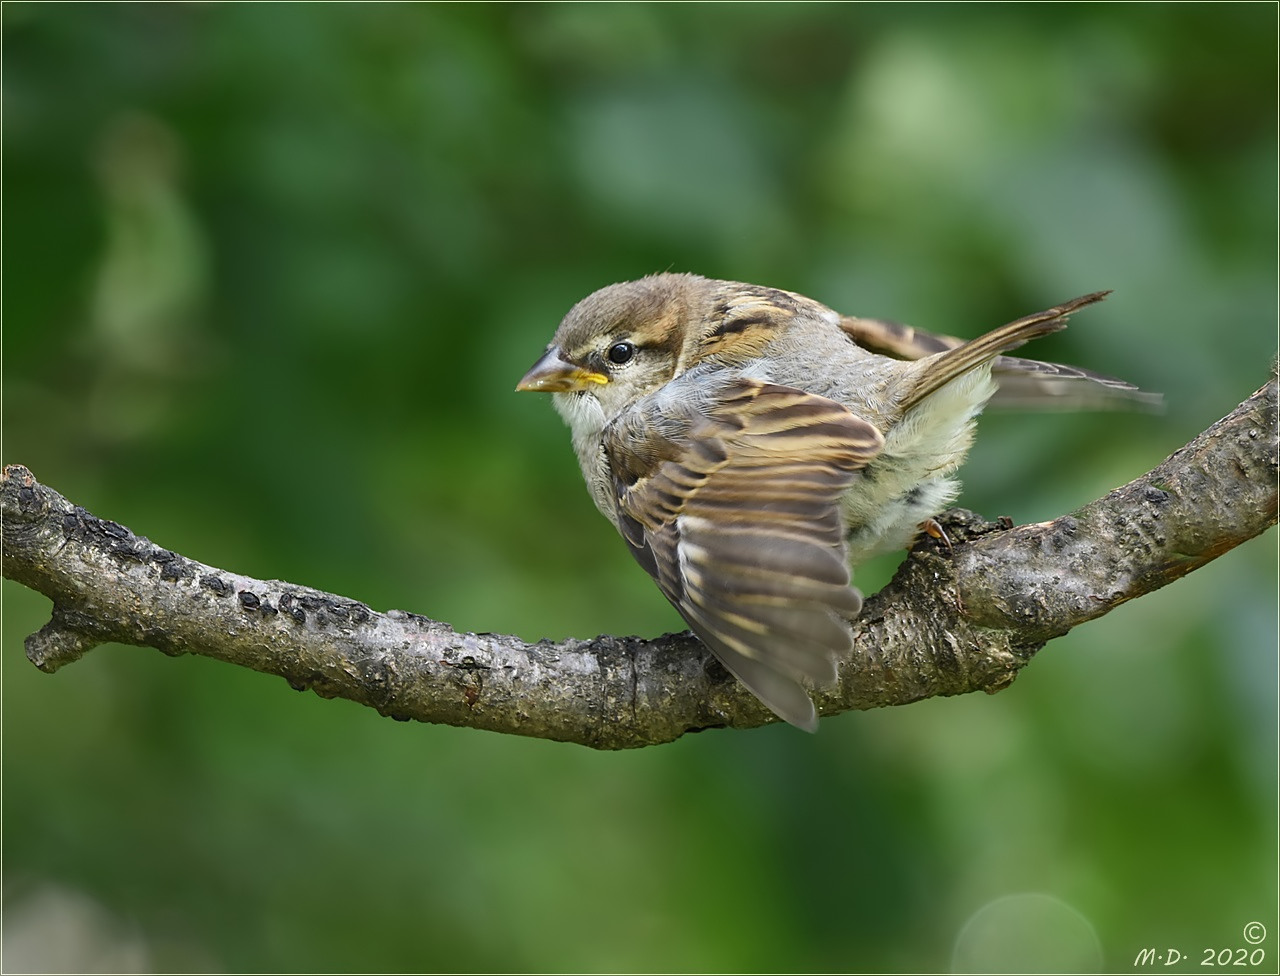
{"x":948,"y":623}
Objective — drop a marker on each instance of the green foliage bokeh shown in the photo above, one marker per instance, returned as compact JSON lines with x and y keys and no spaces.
{"x":271,"y":273}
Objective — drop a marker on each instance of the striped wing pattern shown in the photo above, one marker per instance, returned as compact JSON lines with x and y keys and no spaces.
{"x":735,"y":514}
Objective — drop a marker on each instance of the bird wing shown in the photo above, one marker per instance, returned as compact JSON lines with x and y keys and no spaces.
{"x":894,"y":339}
{"x":1021,"y":383}
{"x":732,"y":506}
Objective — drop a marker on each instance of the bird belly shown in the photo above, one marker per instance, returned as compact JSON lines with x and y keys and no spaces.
{"x":910,"y":480}
{"x":879,"y":527}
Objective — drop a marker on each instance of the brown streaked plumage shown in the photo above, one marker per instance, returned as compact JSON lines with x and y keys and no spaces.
{"x":749,"y":444}
{"x":734,"y":512}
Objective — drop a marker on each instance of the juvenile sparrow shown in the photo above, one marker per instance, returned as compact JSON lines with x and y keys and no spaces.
{"x":749,"y":444}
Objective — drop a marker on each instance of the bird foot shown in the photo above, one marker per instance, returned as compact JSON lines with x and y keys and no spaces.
{"x":934,"y":530}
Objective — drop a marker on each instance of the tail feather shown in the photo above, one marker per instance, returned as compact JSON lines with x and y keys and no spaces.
{"x":1052,"y":386}
{"x":941,"y":368}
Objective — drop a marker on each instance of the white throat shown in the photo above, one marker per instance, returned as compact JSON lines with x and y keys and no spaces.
{"x":586,"y":419}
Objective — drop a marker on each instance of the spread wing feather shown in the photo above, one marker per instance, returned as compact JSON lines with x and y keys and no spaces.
{"x":733,"y":509}
{"x":1025,"y":383}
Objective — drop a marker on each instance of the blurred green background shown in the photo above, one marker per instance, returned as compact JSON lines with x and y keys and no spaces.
{"x":253,"y":250}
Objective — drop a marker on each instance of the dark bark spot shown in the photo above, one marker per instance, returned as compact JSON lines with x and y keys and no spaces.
{"x":216,"y":583}
{"x":1063,"y":533}
{"x":290,"y":606}
{"x":172,"y":566}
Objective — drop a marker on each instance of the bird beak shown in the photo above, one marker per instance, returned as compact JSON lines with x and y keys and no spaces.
{"x":551,"y":374}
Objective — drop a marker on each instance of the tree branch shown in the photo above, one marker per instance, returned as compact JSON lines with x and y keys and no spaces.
{"x":945,"y":625}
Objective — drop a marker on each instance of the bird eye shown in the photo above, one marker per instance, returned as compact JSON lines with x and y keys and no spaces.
{"x":620,"y":352}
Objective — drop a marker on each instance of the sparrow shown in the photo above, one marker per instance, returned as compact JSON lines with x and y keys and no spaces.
{"x":750,"y":445}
